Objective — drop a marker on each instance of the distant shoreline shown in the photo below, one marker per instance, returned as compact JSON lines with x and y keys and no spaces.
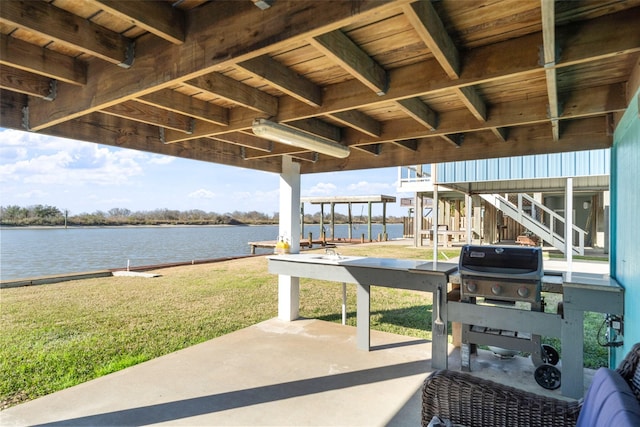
{"x":76,"y":226}
{"x":50,"y":227}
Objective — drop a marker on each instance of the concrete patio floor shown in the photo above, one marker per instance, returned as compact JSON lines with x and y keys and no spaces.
{"x":306,"y":372}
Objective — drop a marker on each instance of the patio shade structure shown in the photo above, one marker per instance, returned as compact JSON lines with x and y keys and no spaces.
{"x":396,"y":82}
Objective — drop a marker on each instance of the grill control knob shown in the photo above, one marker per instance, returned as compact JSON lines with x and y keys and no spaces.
{"x":496,"y":289}
{"x":472,"y":287}
{"x":523,"y":292}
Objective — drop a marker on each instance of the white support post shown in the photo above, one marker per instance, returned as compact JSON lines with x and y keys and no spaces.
{"x":568,"y":223}
{"x":434,"y":215}
{"x":289,"y":227}
{"x":468,"y":204}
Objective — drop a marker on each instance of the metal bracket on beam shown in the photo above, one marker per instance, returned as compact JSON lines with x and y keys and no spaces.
{"x":263,"y":4}
{"x":161,"y":132}
{"x":129,"y":55}
{"x":25,"y":118}
{"x":541,"y":60}
{"x":386,"y":86}
{"x":192,"y":126}
{"x":53,"y":91}
{"x":455,"y":139}
{"x":243,"y":153}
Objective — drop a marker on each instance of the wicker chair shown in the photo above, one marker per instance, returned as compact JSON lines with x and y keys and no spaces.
{"x":470,"y":401}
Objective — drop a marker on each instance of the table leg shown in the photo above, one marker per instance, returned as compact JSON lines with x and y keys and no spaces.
{"x":439,"y":353}
{"x":363,"y":331}
{"x":572,"y":338}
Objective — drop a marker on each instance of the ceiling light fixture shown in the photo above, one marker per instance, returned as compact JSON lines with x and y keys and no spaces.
{"x":287,"y":135}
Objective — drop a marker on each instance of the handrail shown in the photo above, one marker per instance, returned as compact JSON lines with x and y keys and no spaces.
{"x":519,"y":214}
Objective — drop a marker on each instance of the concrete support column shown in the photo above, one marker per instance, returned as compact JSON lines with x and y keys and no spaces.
{"x":568,"y":222}
{"x":289,"y":227}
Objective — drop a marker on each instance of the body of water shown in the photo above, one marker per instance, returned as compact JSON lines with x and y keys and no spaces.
{"x":32,"y":252}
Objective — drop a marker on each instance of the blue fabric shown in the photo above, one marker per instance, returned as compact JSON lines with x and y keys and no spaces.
{"x":609,"y":402}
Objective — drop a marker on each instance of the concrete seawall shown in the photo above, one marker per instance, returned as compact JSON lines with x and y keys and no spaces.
{"x":66,"y":277}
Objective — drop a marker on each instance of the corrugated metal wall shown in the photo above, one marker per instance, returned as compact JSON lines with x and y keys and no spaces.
{"x":559,"y":165}
{"x":625,"y":218}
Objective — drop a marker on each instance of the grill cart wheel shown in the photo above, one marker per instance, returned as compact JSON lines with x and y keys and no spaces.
{"x":550,"y":355}
{"x":547,"y":376}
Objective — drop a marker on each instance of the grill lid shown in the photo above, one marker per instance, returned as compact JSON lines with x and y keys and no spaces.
{"x":502,"y":261}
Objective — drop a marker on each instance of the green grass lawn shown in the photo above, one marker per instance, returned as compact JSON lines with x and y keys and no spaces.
{"x":59,"y":335}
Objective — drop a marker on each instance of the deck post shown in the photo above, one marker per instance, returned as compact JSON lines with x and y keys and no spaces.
{"x":289,"y":227}
{"x":568,"y":223}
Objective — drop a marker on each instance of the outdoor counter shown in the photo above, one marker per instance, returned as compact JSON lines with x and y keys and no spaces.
{"x":582,"y":292}
{"x":365,"y":272}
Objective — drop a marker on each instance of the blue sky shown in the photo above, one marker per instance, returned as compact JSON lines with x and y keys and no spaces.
{"x":87,"y":177}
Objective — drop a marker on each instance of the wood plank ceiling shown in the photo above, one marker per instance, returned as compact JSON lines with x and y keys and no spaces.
{"x":399,"y":82}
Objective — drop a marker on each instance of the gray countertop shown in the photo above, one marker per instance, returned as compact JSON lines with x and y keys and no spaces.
{"x":413,"y":265}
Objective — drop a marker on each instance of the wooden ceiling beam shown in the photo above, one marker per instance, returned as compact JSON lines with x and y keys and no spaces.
{"x":318,"y":127}
{"x":425,"y":20}
{"x":247,"y":140}
{"x":359,"y":121}
{"x":28,"y":57}
{"x":68,"y":29}
{"x":342,"y":50}
{"x":580,"y":104}
{"x":211,"y":46}
{"x":501,"y":133}
{"x":288,"y":81}
{"x":420,"y":112}
{"x":144,"y":113}
{"x":512,"y":58}
{"x":190,"y":106}
{"x":278,"y":150}
{"x":470,"y":97}
{"x":158,"y":18}
{"x":234,"y":91}
{"x":516,"y":113}
{"x":11,"y":105}
{"x":240,"y":119}
{"x":27,"y":83}
{"x":582,"y":134}
{"x":409,"y":144}
{"x":549,"y":58}
{"x":454,"y":139}
{"x":375,"y":149}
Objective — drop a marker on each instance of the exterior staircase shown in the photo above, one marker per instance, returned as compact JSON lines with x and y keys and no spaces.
{"x":538,"y":219}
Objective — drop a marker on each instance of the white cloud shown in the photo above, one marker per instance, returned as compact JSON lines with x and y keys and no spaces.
{"x":322,"y":189}
{"x":363,"y":187}
{"x":34,"y":194}
{"x":201,"y":194}
{"x":161,"y":160}
{"x":45,"y":160}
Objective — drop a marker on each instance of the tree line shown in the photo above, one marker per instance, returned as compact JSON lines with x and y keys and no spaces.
{"x":45,"y":215}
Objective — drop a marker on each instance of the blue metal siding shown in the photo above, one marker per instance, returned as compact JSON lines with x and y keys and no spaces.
{"x":625,"y":211}
{"x":557,"y":165}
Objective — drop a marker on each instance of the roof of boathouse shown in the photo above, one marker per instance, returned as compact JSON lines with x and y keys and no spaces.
{"x":337,"y":200}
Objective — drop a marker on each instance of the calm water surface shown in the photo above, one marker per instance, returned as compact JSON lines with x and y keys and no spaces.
{"x":40,"y":252}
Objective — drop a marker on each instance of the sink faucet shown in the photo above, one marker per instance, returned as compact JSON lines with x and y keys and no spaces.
{"x":332,"y":252}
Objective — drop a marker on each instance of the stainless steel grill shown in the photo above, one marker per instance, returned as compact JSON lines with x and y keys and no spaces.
{"x":501,"y":273}
{"x":505,"y":275}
